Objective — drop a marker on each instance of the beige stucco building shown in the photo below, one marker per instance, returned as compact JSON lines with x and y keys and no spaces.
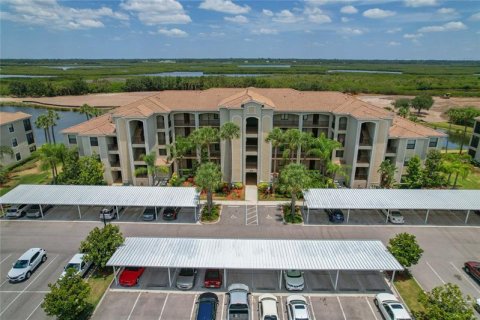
{"x":474,"y":145}
{"x":368,"y":134}
{"x":16,"y":132}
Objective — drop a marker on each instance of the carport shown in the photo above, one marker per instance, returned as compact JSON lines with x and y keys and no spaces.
{"x":115,"y":196}
{"x":377,"y":199}
{"x":254,"y":254}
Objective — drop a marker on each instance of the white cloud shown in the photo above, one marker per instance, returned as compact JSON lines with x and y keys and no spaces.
{"x":316,"y":15}
{"x":349,"y":10}
{"x":351,"y":31}
{"x":393,"y":44}
{"x":155,"y":12}
{"x":420,"y":3}
{"x":237,"y":19}
{"x":394,"y":30}
{"x":377,"y":13}
{"x":345,"y":19}
{"x":286,"y":16}
{"x":225,"y":6}
{"x":267,"y":13}
{"x":320,"y":2}
{"x":213,"y":34}
{"x":265,"y":31}
{"x":475,"y":17}
{"x":446,"y":11}
{"x":174,"y":33}
{"x":412,"y":36}
{"x":247,"y":40}
{"x":51,"y":14}
{"x":450,"y":26}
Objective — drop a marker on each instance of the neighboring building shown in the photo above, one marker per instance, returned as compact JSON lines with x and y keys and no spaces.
{"x":474,"y":146}
{"x":16,"y":132}
{"x":369,"y":134}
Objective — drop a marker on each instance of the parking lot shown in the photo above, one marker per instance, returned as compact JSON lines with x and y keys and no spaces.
{"x":181,"y":306}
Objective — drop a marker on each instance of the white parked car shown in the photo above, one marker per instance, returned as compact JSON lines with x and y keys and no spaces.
{"x":17,"y":211}
{"x":477,"y":305}
{"x":391,"y":308}
{"x":267,"y":307}
{"x":394,"y":216}
{"x":297,"y":308}
{"x":294,"y":280}
{"x":26,"y":264}
{"x":34,"y":210}
{"x":77,"y":262}
{"x":110,"y":213}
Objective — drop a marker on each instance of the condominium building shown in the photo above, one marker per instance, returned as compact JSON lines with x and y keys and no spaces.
{"x":368,"y":134}
{"x":474,"y":146}
{"x":16,"y":132}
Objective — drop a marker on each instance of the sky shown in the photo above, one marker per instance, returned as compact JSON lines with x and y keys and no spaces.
{"x":310,"y":29}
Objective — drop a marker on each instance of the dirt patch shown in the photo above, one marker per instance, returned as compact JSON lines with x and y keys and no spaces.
{"x":435,"y":114}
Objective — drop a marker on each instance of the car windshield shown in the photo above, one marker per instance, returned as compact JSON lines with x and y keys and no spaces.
{"x":395,"y":214}
{"x":213,"y":274}
{"x":132,"y":269}
{"x":12,"y":210}
{"x":35,"y":207}
{"x":75,"y":266}
{"x":396,"y":306}
{"x":106,"y":210}
{"x":294,"y":274}
{"x":270,"y":318}
{"x":149,"y":210}
{"x":186,"y":272}
{"x":20,"y":264}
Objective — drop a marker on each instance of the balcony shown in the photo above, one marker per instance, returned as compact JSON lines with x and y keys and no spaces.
{"x":184,"y":122}
{"x":285,"y":123}
{"x":361,"y":177}
{"x":251,"y":165}
{"x":251,"y":148}
{"x":209,"y":122}
{"x":311,"y":123}
{"x":112,"y":147}
{"x":364,"y":160}
{"x":115,"y":164}
{"x":252,"y":130}
{"x":391,"y":150}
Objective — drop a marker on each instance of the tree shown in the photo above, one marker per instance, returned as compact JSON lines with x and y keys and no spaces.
{"x":275,"y":137}
{"x":447,"y":303}
{"x":68,"y":297}
{"x":458,"y":165}
{"x":292,"y":139}
{"x":52,"y":117}
{"x":208,"y":178}
{"x":50,"y":156}
{"x":70,"y":169}
{"x":306,"y":144}
{"x":91,"y":171}
{"x":295,"y":178}
{"x":387,"y":174}
{"x":464,"y":117}
{"x":228,"y":132}
{"x":414,"y":178}
{"x":5,"y":150}
{"x":404,"y":112}
{"x":422,"y":102}
{"x":204,"y":137}
{"x":78,"y":87}
{"x":179,"y":149}
{"x":322,"y":147}
{"x":86,"y":110}
{"x":405,"y":249}
{"x":152,"y":168}
{"x":42,"y":122}
{"x":432,"y":173}
{"x":402,"y":103}
{"x":101,"y":244}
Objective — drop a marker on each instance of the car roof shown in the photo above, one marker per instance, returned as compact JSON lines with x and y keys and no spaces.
{"x":269,"y":304}
{"x":238,"y":286}
{"x":29,"y":253}
{"x":77,"y":258}
{"x":208,"y":295}
{"x":386,"y":297}
{"x":296,"y":297}
{"x":400,"y":313}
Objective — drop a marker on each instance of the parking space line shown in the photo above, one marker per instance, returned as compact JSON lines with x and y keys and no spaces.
{"x":3,"y":282}
{"x":23,"y":291}
{"x":5,"y":258}
{"x":281,"y":308}
{"x":311,"y":308}
{"x":33,"y":280}
{"x":371,"y":309}
{"x":341,"y":308}
{"x":466,"y":277}
{"x":34,"y":310}
{"x":435,"y":272}
{"x":223,"y":306}
{"x":163,"y":308}
{"x":193,"y":306}
{"x":133,"y":308}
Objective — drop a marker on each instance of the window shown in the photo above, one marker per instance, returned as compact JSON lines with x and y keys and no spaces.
{"x":14,"y":142}
{"x":27,"y":125}
{"x":18,"y":156}
{"x":216,"y":116}
{"x":284,"y":116}
{"x":305,"y":117}
{"x":474,"y":143}
{"x":30,"y":138}
{"x":33,"y":148}
{"x":433,"y":143}
{"x":339,"y":153}
{"x":11,"y":128}
{"x":342,"y":123}
{"x":72,"y":139}
{"x":411,"y":144}
{"x":477,"y":127}
{"x":341,"y":139}
{"x":162,"y":152}
{"x":94,"y":141}
{"x":472,"y":153}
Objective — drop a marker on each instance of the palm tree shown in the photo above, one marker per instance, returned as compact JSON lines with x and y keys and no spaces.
{"x":295,"y":178}
{"x":152,"y":168}
{"x":208,"y":178}
{"x":179,"y":149}
{"x":275,"y":137}
{"x":322,"y":148}
{"x":228,"y":132}
{"x":306,"y":140}
{"x":292,"y":139}
{"x":387,"y":174}
{"x":457,"y":164}
{"x":5,"y":150}
{"x":52,"y":116}
{"x":49,"y":158}
{"x":204,"y":137}
{"x":86,"y":110}
{"x":42,"y":122}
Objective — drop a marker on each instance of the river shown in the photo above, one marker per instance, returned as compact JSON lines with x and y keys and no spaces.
{"x":67,"y":119}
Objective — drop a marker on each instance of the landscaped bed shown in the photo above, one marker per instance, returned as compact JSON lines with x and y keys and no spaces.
{"x":409,"y":290}
{"x":214,"y":216}
{"x":287,"y":216}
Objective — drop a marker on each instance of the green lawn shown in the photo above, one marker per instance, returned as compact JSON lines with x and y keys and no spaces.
{"x":31,"y":178}
{"x":410,"y":291}
{"x":98,"y":285}
{"x":471,"y":182}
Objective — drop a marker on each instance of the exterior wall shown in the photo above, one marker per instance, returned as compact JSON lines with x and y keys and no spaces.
{"x":474,"y":145}
{"x":22,"y":148}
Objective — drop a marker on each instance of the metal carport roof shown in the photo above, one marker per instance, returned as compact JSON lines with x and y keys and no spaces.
{"x":102,"y":196}
{"x":254,"y":254}
{"x":392,"y":199}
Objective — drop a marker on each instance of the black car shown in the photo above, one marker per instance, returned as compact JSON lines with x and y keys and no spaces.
{"x":335,"y":215}
{"x":170,"y":213}
{"x":207,"y":306}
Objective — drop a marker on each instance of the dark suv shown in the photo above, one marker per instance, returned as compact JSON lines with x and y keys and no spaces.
{"x":207,"y":306}
{"x":170,"y":213}
{"x":335,"y":215}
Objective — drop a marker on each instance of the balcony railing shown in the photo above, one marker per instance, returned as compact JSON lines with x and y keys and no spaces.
{"x":251,"y":165}
{"x":112,"y":147}
{"x":251,"y":147}
{"x":363,"y":160}
{"x":184,"y":123}
{"x":210,"y":122}
{"x":365,"y":141}
{"x":115,"y":164}
{"x":138,"y":140}
{"x":160,"y":124}
{"x":252,"y":130}
{"x":311,"y":123}
{"x":391,"y":150}
{"x":285,"y":123}
{"x":361,"y":177}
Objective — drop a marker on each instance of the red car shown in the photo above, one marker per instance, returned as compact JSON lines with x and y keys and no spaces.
{"x":130,"y":275}
{"x":473,"y":269}
{"x":213,"y":278}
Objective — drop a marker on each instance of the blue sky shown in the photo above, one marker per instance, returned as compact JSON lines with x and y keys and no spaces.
{"x":329,"y":29}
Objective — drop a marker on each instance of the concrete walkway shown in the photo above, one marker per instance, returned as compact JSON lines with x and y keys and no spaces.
{"x":251,"y":194}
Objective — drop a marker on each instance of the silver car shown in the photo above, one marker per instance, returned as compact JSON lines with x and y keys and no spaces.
{"x":17,"y":211}
{"x":26,"y":264}
{"x":238,"y":306}
{"x":186,"y":278}
{"x":34,"y":210}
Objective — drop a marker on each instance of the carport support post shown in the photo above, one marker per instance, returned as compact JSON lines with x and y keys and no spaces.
{"x":224,"y":278}
{"x":115,"y":275}
{"x":393,"y":279}
{"x":426,"y":217}
{"x":169,"y":277}
{"x":79,"y":212}
{"x":41,"y":210}
{"x":336,"y":280}
{"x":308,"y":213}
{"x":280,"y":280}
{"x":388,"y":215}
{"x":156,"y":215}
{"x":195,"y":213}
{"x":348,"y":215}
{"x":468,"y":214}
{"x":118,"y":215}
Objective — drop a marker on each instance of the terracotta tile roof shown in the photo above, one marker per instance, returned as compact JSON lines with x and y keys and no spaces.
{"x":99,"y":126}
{"x":8,"y":117}
{"x":403,"y":128}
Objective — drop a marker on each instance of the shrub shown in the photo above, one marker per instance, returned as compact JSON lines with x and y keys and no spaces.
{"x":263,"y":186}
{"x":288,"y":218}
{"x":213,"y":217}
